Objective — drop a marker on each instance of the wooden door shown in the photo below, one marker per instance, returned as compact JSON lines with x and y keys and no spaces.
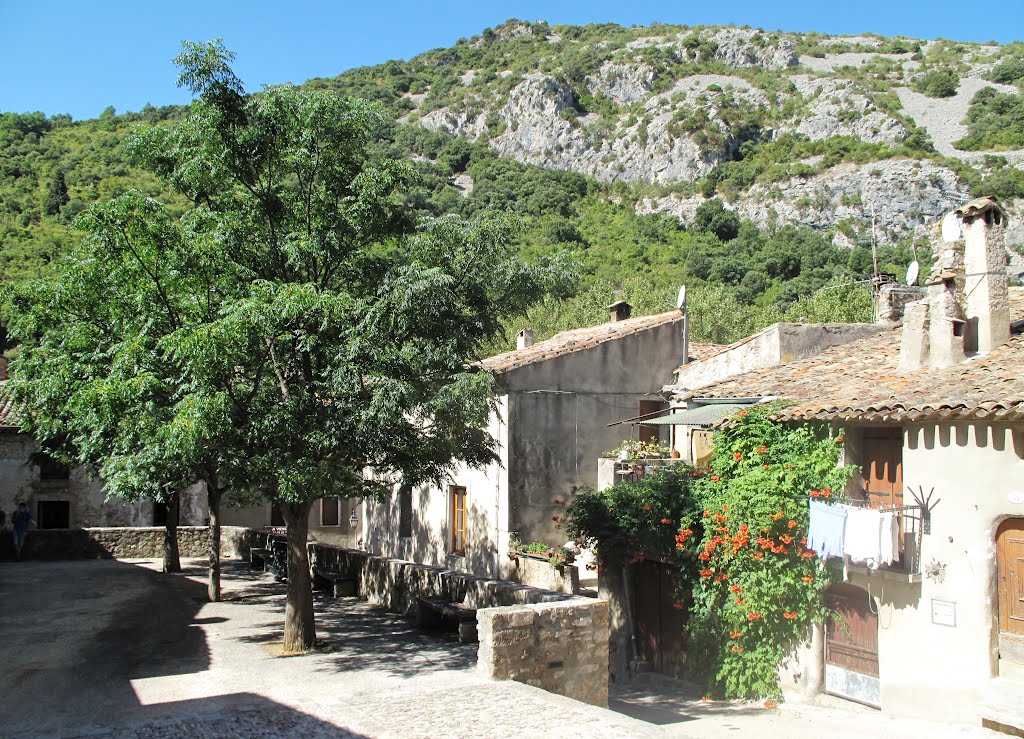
{"x":851,"y":645}
{"x":660,"y":625}
{"x":882,"y":468}
{"x":1010,"y":581}
{"x":650,"y":434}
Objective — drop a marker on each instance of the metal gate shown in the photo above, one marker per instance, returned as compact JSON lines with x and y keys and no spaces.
{"x":851,"y":646}
{"x":660,"y":618}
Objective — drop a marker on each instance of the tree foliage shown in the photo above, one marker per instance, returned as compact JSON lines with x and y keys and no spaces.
{"x":758,"y":586}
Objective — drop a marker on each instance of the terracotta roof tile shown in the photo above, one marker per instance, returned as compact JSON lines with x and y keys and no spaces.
{"x":8,"y":411}
{"x":585,"y":338}
{"x":861,"y":380}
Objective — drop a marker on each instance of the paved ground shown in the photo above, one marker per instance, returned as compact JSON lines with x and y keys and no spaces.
{"x":115,"y":649}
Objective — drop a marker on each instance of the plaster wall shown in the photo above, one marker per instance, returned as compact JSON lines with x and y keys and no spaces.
{"x":777,"y":344}
{"x":487,"y":527}
{"x":927,"y":669}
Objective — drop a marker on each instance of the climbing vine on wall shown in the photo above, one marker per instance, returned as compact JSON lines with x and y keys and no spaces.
{"x":758,"y":586}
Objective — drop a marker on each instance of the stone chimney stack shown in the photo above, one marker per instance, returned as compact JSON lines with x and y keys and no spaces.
{"x":986,"y":293}
{"x":524,"y":338}
{"x":620,"y":311}
{"x":966,"y":308}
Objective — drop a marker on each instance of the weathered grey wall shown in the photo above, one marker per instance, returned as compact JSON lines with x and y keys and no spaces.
{"x":559,"y":647}
{"x":554,"y":442}
{"x":123,"y":543}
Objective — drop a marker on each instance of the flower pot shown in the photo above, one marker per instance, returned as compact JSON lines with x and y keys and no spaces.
{"x":676,"y":454}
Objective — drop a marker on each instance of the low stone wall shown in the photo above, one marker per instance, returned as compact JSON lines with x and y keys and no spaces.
{"x":560,"y":647}
{"x":551,"y":640}
{"x":124,"y":543}
{"x":536,"y":572}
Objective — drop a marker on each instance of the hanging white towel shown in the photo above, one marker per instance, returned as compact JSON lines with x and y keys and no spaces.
{"x":825,"y":528}
{"x":890,"y":538}
{"x":862,"y":539}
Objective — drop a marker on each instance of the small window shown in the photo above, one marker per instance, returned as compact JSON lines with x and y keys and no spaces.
{"x":51,"y":469}
{"x":276,"y":516}
{"x":458,"y":519}
{"x":405,"y":512}
{"x":330,"y":512}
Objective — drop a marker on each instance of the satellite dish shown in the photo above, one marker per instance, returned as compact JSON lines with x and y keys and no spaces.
{"x":952,"y":229}
{"x":912,"y":272}
{"x":681,"y":300}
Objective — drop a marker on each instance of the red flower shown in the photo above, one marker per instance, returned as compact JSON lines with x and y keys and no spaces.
{"x":839,"y":439}
{"x":740,"y":602}
{"x":778,"y":515}
{"x":706,"y":514}
{"x":827,"y":493}
{"x":808,"y":578}
{"x":791,"y":524}
{"x":766,"y":467}
{"x":757,"y":555}
{"x":735,"y":589}
{"x":762,"y":449}
{"x":786,"y":539}
{"x":770,"y":705}
{"x":742,"y":414}
{"x":647,"y":508}
{"x":753,"y":616}
{"x":667,"y":521}
{"x":706,"y":573}
{"x":715,"y":478}
{"x":808,"y":554}
{"x":736,"y":648}
{"x":735,"y":634}
{"x":678,"y":606}
{"x":790,"y":615}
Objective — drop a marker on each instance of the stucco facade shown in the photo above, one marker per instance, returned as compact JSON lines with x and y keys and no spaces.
{"x":941,"y":666}
{"x":555,"y":405}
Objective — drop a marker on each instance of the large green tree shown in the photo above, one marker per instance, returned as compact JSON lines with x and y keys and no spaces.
{"x":324,"y":343}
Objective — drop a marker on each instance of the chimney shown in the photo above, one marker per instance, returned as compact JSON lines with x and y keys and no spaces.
{"x":986,"y":295}
{"x":966,"y":308}
{"x":524,"y":338}
{"x":620,"y":311}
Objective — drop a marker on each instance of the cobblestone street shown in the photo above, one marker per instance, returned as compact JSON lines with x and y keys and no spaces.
{"x":116,"y":649}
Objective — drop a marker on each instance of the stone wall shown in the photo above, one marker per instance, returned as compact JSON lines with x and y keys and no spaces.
{"x":551,"y":640}
{"x":124,"y":543}
{"x":559,"y":647}
{"x":537,"y":572}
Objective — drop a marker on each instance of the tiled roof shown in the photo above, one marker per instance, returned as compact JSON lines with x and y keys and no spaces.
{"x":8,"y":414}
{"x":860,"y":380}
{"x":585,"y":338}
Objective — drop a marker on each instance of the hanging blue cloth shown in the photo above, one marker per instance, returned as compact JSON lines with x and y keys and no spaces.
{"x":826,"y":527}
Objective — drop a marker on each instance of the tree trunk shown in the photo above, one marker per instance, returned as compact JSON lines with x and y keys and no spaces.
{"x":299,"y":622}
{"x":213,"y":495}
{"x":172,"y":562}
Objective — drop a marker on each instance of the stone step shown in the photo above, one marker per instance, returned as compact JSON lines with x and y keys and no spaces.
{"x":1011,"y":670}
{"x":1002,"y":708}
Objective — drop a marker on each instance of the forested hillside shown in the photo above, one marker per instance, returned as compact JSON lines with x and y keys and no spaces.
{"x":745,"y":164}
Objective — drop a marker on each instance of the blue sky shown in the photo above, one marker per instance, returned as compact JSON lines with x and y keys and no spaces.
{"x":78,"y":57}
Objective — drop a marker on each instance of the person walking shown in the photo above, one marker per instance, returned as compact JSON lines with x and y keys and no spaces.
{"x":20,"y":520}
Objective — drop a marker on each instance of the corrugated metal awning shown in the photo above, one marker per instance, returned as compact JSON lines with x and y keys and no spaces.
{"x":702,"y":415}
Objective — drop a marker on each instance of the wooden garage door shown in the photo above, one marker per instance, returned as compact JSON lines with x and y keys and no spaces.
{"x":1010,"y":580}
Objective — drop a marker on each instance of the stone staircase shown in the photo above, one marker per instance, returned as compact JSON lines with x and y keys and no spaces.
{"x":1002,"y":706}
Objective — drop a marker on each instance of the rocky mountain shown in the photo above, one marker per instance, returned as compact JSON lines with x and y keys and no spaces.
{"x":829,"y":132}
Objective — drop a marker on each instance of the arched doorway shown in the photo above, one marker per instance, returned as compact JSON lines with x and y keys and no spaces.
{"x":1010,"y":585}
{"x":851,"y":645}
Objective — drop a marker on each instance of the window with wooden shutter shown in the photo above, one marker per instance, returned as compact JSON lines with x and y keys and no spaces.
{"x":457,"y":494}
{"x":330,"y":512}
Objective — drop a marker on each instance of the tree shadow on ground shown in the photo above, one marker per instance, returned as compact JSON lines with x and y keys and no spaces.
{"x":661,"y":700}
{"x":353,"y":635}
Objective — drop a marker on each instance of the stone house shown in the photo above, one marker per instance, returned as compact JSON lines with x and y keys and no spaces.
{"x":556,"y":400}
{"x":933,"y":414}
{"x":63,"y":498}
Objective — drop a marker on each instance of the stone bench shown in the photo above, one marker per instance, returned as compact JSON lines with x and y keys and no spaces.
{"x":436,"y":612}
{"x":339,"y":584}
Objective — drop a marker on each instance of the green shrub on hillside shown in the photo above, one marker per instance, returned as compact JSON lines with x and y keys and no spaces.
{"x":995,"y":121}
{"x":937,"y":83}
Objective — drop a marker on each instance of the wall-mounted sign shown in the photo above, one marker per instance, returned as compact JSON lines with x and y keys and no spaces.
{"x":943,"y":612}
{"x":1015,"y":496}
